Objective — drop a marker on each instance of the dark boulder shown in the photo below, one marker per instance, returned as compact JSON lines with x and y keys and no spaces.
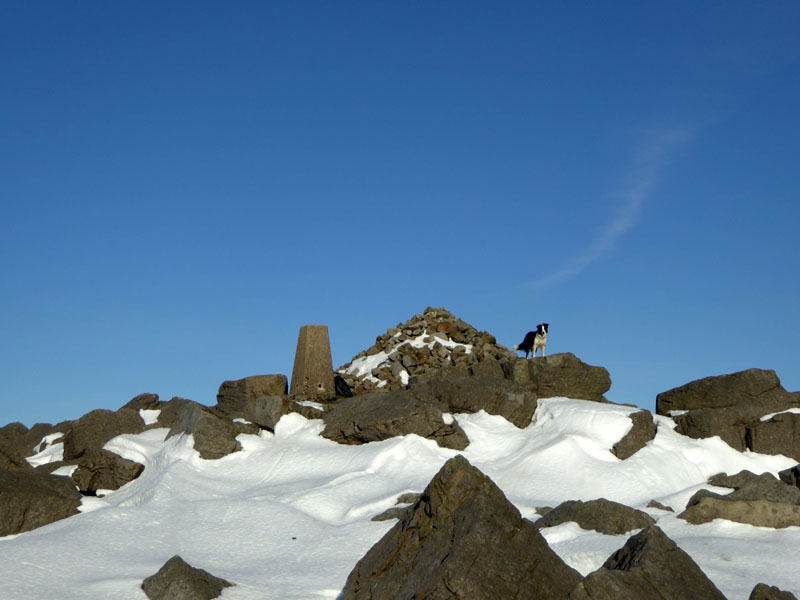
{"x":605,"y":516}
{"x":104,"y":470}
{"x":461,"y":539}
{"x":382,"y":415}
{"x":732,"y":406}
{"x":751,"y":387}
{"x":177,"y":580}
{"x":143,"y":402}
{"x":791,"y":476}
{"x":234,"y":396}
{"x":94,"y":429}
{"x":469,"y":394}
{"x":564,"y":375}
{"x":266,"y":411}
{"x":11,"y":459}
{"x":649,"y":565}
{"x":642,"y":432}
{"x":19,"y":440}
{"x":29,"y":499}
{"x":762,"y":591}
{"x":761,"y":500}
{"x":214,"y":436}
{"x":779,"y":434}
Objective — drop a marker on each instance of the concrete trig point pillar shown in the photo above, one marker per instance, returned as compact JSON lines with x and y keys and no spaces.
{"x":313,"y":369}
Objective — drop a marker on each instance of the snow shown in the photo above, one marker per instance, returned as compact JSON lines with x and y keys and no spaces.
{"x":795,"y":411}
{"x":289,"y":516}
{"x":149,"y":416}
{"x":46,"y":451}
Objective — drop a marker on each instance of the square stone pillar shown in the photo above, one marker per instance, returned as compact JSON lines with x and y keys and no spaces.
{"x":312,"y":374}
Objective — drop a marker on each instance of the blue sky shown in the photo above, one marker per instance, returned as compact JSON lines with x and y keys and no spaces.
{"x":184,"y":185}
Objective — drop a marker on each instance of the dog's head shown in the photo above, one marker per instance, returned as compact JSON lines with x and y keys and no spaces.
{"x":541,"y":329}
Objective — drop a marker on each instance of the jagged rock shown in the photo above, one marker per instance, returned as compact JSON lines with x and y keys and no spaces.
{"x":18,"y":439}
{"x":649,"y":565}
{"x":144,"y":402}
{"x":94,"y":429}
{"x":379,"y":416}
{"x":605,"y":516}
{"x":214,"y":437}
{"x":762,"y":591}
{"x":749,"y":486}
{"x":562,"y":375}
{"x":791,"y":476}
{"x":177,"y":580}
{"x":754,"y":386}
{"x":29,"y":499}
{"x":659,"y":506}
{"x":104,"y":470}
{"x":761,"y":500}
{"x":777,"y":435}
{"x":235,"y":396}
{"x":642,"y":432}
{"x":266,"y":411}
{"x":462,"y":539}
{"x":469,"y":394}
{"x":761,"y":513}
{"x":11,"y":459}
{"x":731,"y":406}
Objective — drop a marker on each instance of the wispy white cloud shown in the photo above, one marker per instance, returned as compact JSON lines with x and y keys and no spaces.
{"x":643,"y":174}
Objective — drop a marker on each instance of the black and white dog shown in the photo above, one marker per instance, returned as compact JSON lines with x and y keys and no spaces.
{"x":534,"y":340}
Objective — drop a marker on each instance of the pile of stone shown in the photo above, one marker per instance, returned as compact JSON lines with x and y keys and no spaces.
{"x":432,"y":341}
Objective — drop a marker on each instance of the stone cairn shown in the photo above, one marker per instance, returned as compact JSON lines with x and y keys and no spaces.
{"x":432,"y":341}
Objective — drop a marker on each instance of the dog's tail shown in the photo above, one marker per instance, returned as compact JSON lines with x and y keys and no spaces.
{"x":516,"y":347}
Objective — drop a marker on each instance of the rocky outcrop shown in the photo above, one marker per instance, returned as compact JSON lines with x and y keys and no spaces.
{"x":18,"y":440}
{"x":236,"y":396}
{"x":762,"y":591}
{"x":649,"y":565}
{"x":562,"y":375}
{"x":605,"y":516}
{"x":379,"y":416}
{"x":214,"y":437}
{"x":262,"y":410}
{"x":103,"y":470}
{"x":29,"y":499}
{"x":642,"y":432}
{"x":469,"y":394}
{"x":177,"y":580}
{"x":94,"y":429}
{"x":425,"y":344}
{"x":461,"y":539}
{"x":746,"y":409}
{"x":791,"y":476}
{"x":761,"y":500}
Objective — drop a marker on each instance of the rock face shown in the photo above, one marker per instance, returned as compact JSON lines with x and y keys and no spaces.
{"x":764,"y":592}
{"x":642,"y":432}
{"x":379,"y":416}
{"x":605,"y":516}
{"x":761,"y":500}
{"x":103,"y":470}
{"x":742,"y":408}
{"x":29,"y":499}
{"x":177,"y":580}
{"x":237,"y":396}
{"x":461,"y":539}
{"x":214,"y":437}
{"x":94,"y":429}
{"x":239,"y":399}
{"x":469,"y":394}
{"x":562,"y":375}
{"x":649,"y":565}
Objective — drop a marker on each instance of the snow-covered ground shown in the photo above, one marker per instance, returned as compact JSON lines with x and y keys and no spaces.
{"x":289,"y":516}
